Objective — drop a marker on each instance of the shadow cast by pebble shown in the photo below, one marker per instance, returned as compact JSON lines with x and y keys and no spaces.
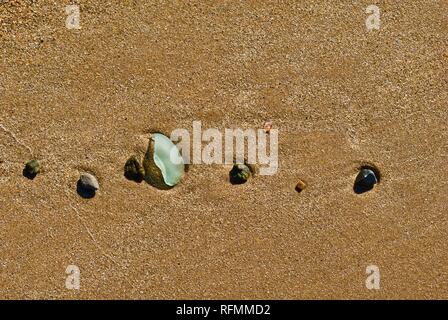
{"x":132,"y":177}
{"x":237,"y":181}
{"x":359,"y":188}
{"x":84,"y":192}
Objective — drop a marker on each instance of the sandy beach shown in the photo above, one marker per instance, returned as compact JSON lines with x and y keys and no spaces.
{"x":340,"y":95}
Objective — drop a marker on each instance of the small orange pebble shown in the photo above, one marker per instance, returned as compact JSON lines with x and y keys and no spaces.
{"x":300,"y":186}
{"x":267,"y":126}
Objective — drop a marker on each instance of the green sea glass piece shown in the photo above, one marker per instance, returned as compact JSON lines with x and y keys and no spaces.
{"x":163,"y":163}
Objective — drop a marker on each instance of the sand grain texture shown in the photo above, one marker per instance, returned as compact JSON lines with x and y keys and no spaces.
{"x":79,"y":100}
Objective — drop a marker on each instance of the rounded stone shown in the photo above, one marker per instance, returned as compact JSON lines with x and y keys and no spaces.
{"x":133,"y":170}
{"x":300,"y":186}
{"x":88,"y":182}
{"x":32,"y":168}
{"x":365,"y":180}
{"x":239,"y":174}
{"x":267,"y":126}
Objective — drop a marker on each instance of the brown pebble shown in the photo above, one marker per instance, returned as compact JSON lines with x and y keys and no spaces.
{"x":300,"y":186}
{"x":267,"y":126}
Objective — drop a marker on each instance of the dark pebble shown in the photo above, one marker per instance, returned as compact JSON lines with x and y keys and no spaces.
{"x":239,"y":174}
{"x":133,"y":170}
{"x":31,"y":169}
{"x":365,"y":181}
{"x":87,"y":185}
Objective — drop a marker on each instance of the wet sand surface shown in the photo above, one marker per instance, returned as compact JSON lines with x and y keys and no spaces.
{"x":340,"y":95}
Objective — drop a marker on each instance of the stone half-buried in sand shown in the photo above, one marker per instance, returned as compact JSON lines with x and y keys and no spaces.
{"x":163,"y":163}
{"x":32,"y":168}
{"x":133,"y":170}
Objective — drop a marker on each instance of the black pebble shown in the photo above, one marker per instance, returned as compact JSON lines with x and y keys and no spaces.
{"x":86,"y":193}
{"x":31,"y":169}
{"x":365,"y":181}
{"x":239,"y":174}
